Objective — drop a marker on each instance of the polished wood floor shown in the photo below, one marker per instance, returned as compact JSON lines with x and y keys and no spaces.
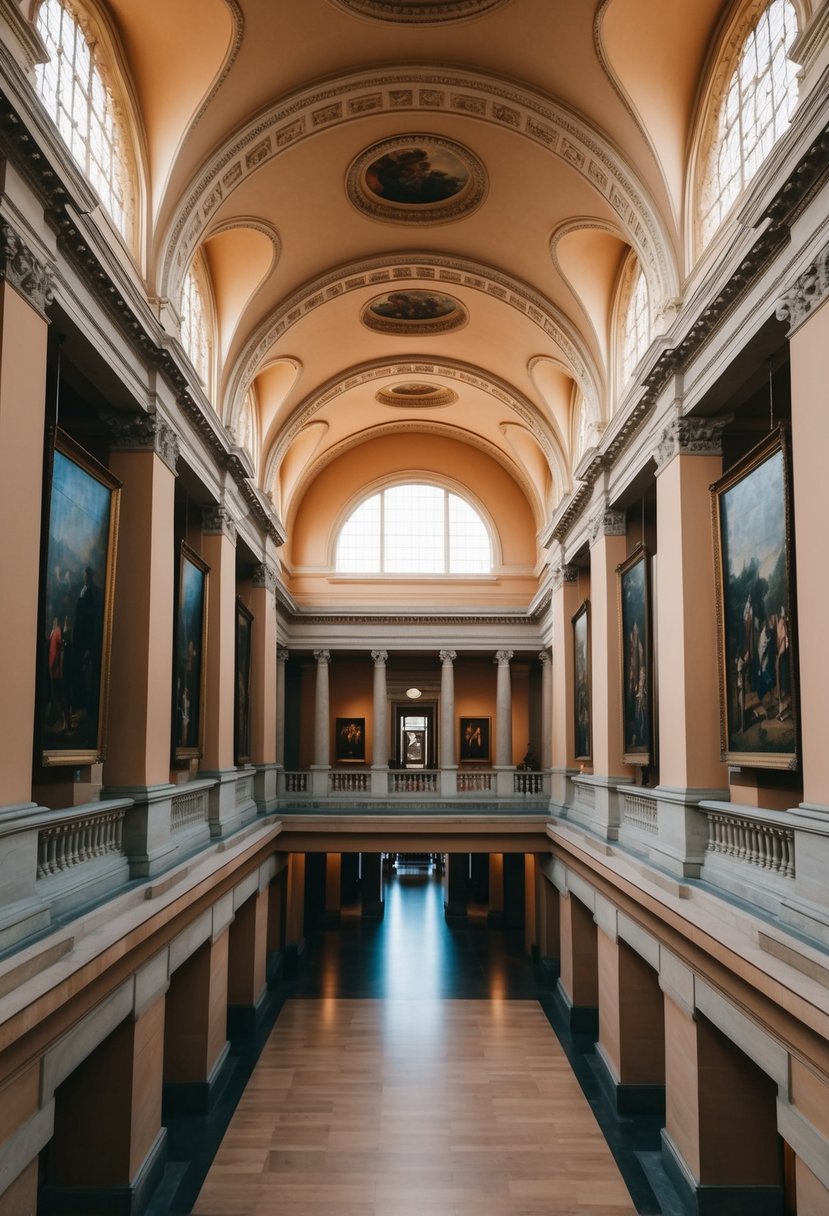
{"x":413,"y":1105}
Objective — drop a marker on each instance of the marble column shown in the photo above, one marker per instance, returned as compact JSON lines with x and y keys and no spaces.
{"x":263,"y":681}
{"x":503,"y":722}
{"x":322,"y":725}
{"x":282,"y":657}
{"x":566,"y":600}
{"x":380,"y":726}
{"x":448,"y":761}
{"x":546,"y":757}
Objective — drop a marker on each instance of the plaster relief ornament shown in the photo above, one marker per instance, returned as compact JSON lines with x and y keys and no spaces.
{"x":419,"y":12}
{"x":416,"y":179}
{"x":416,"y":396}
{"x":413,"y":311}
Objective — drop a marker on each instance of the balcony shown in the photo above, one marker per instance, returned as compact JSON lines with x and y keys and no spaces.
{"x":387,"y":791}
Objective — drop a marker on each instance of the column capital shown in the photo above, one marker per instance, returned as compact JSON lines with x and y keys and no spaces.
{"x":543,"y":657}
{"x":322,"y":656}
{"x":217,"y":520}
{"x":807,"y":293}
{"x":502,"y":657}
{"x":283,"y":654}
{"x":144,"y":433}
{"x":380,"y":657}
{"x":607,"y":522}
{"x":26,"y":273}
{"x":689,"y":437}
{"x":447,"y":657}
{"x":264,"y":575}
{"x":564,"y":574}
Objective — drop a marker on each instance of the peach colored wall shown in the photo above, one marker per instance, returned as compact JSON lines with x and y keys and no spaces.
{"x":262,"y":672}
{"x":22,"y":393}
{"x":609,"y":1001}
{"x":312,"y":523}
{"x":148,"y":1067}
{"x":812,"y":1195}
{"x":810,"y":442}
{"x":566,"y":602}
{"x":681,"y":1085}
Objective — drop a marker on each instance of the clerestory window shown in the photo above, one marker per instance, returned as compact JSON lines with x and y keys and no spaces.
{"x":753,"y":112}
{"x":414,"y":529}
{"x":73,"y":87}
{"x":195,"y":322}
{"x":635,"y":332}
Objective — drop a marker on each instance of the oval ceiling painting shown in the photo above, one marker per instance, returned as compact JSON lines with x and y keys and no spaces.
{"x":416,"y":179}
{"x":417,"y":395}
{"x":420,"y":12}
{"x":413,"y":311}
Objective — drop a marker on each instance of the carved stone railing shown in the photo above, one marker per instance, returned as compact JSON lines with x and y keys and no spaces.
{"x":528,"y":783}
{"x":585,"y":796}
{"x":752,"y":841}
{"x":638,"y":812}
{"x":74,"y":839}
{"x":347,"y":782}
{"x":189,"y":809}
{"x":244,"y":790}
{"x":475,"y":782}
{"x":420,"y":782}
{"x":295,"y":782}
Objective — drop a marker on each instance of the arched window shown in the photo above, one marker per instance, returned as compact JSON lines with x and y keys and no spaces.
{"x":245,"y":427}
{"x":582,"y":428}
{"x":753,"y":112}
{"x":73,"y":86}
{"x":195,"y":321}
{"x":635,"y":313}
{"x":414,"y":529}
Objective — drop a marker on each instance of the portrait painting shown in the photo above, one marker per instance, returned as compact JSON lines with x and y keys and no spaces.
{"x":474,"y":747}
{"x":351,"y":741}
{"x":635,"y":651}
{"x":78,"y":587}
{"x":241,"y":700}
{"x":581,"y":683}
{"x":189,"y":655}
{"x":416,"y":175}
{"x":751,"y":508}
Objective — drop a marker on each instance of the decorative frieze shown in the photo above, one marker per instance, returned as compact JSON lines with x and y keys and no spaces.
{"x":607,"y":522}
{"x":689,"y":437}
{"x":144,"y":432}
{"x":264,"y":575}
{"x":808,"y":293}
{"x":217,"y":520}
{"x":26,"y":273}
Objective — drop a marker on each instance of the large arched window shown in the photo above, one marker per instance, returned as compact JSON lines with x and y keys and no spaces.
{"x":755,"y":108}
{"x":74,"y":88}
{"x":635,"y":319}
{"x":414,"y":529}
{"x":196,"y":321}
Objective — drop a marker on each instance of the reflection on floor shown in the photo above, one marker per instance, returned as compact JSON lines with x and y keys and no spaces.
{"x":407,"y":977}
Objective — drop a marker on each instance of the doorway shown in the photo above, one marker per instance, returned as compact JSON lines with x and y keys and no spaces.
{"x":414,"y":734}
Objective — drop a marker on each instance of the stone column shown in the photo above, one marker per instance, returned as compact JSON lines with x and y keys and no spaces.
{"x":25,"y":292}
{"x":322,"y":726}
{"x":566,"y":599}
{"x":144,"y":456}
{"x":263,"y":686}
{"x":688,"y":459}
{"x":448,"y":757}
{"x":546,"y":758}
{"x":282,"y":657}
{"x":219,"y":551}
{"x":503,"y":723}
{"x":380,"y":726}
{"x":607,"y":552}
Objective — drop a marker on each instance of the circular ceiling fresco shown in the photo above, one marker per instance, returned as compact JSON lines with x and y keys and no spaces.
{"x":413,"y":312}
{"x":416,"y":179}
{"x":416,"y":396}
{"x":420,"y":12}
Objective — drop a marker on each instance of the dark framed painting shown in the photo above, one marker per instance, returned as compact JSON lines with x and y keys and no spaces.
{"x":636,"y":659}
{"x":414,"y":748}
{"x":581,"y":683}
{"x":351,"y":741}
{"x":475,"y":735}
{"x":752,"y":518}
{"x":241,"y":705}
{"x":78,"y":589}
{"x":189,"y":655}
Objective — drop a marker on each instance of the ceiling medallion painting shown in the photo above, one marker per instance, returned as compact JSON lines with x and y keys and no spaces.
{"x":417,"y":396}
{"x":414,"y":312}
{"x":416,"y":179}
{"x":420,"y":12}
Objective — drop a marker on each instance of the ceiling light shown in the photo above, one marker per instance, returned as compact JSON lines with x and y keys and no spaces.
{"x":413,"y":693}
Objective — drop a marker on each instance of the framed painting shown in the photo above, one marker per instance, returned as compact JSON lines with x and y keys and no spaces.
{"x":474,"y":748}
{"x":351,"y":741}
{"x":78,"y":589}
{"x":581,"y":683}
{"x":241,"y":707}
{"x":414,"y":748}
{"x":189,"y":655}
{"x":751,"y":507}
{"x":636,"y":654}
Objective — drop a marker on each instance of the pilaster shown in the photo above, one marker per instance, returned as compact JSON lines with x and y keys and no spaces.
{"x":565,"y":603}
{"x":263,"y":686}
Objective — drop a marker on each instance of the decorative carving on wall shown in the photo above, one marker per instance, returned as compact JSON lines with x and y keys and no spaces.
{"x":264,"y":575}
{"x":217,"y":520}
{"x":564,"y":574}
{"x":689,"y":437}
{"x":607,"y":522}
{"x":808,"y":292}
{"x":144,"y":432}
{"x":416,"y":179}
{"x":19,"y":267}
{"x":418,"y":396}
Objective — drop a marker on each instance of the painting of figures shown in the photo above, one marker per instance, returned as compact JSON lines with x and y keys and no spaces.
{"x":634,"y":618}
{"x":241,"y":716}
{"x":753,"y":546}
{"x":78,"y":589}
{"x":581,"y":659}
{"x":189,"y":655}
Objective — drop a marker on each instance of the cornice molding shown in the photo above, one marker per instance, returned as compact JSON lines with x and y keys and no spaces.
{"x":28,"y":40}
{"x":809,"y":290}
{"x":144,"y":433}
{"x":23,"y":271}
{"x":689,"y":437}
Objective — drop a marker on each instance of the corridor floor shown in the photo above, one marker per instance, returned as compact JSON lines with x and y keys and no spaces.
{"x":412,"y":1071}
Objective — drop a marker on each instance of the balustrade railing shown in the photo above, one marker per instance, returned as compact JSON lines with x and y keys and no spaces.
{"x":753,"y":842}
{"x":295,"y":783}
{"x":188,"y":810}
{"x":638,"y":812}
{"x":420,"y":782}
{"x":70,"y":842}
{"x":474,"y":783}
{"x":528,"y":783}
{"x":350,"y":782}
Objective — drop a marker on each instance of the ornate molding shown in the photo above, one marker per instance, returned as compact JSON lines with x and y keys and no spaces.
{"x":144,"y":433}
{"x":447,"y":657}
{"x":23,"y":271}
{"x":564,"y":574}
{"x":466,"y":199}
{"x":689,"y":437}
{"x":264,"y":575}
{"x":380,"y":657}
{"x":217,"y":521}
{"x":809,"y":291}
{"x":419,"y":12}
{"x":607,"y":522}
{"x":502,"y":657}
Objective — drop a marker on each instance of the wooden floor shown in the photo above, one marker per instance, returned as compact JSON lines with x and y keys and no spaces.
{"x":413,"y":1108}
